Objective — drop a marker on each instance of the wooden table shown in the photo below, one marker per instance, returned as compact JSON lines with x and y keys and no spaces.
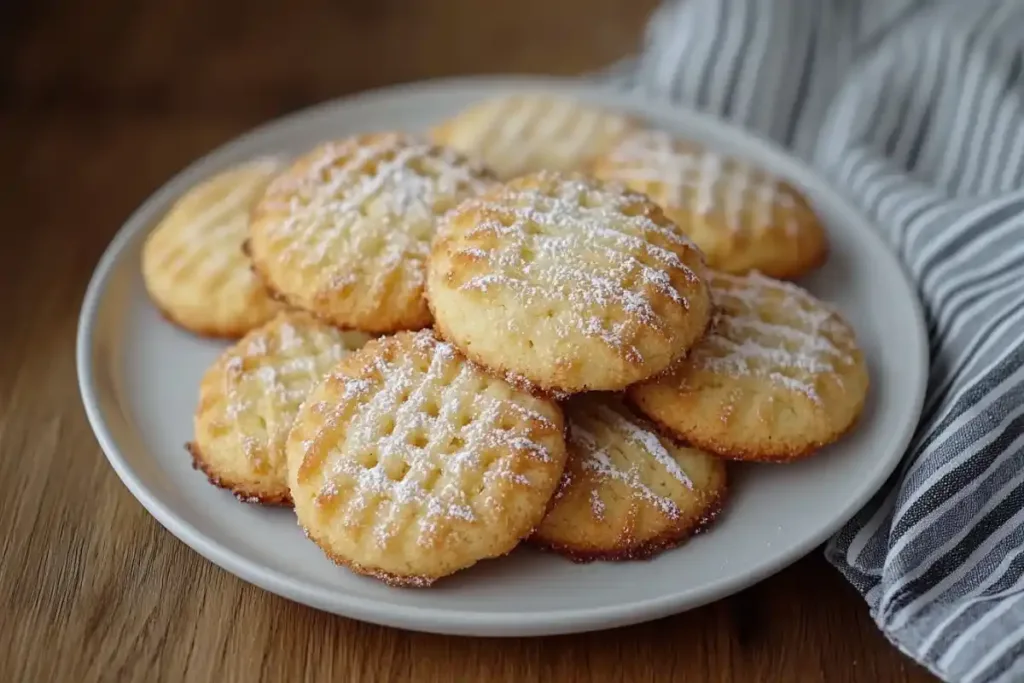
{"x":100,"y":102}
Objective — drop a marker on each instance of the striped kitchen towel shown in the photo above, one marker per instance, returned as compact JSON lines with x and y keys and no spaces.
{"x":916,"y":109}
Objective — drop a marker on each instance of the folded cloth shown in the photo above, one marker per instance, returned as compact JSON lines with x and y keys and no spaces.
{"x":916,"y":110}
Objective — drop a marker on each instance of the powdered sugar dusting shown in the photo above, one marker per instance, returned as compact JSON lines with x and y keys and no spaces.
{"x":289,"y":338}
{"x":596,"y":505}
{"x":371,"y":198}
{"x":646,"y":440}
{"x":419,"y":443}
{"x":269,"y":373}
{"x":600,"y":461}
{"x":581,"y":251}
{"x":773,"y":330}
{"x":702,"y":180}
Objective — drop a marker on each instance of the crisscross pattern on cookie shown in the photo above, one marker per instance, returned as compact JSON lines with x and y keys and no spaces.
{"x":193,"y":260}
{"x":263,"y":379}
{"x":525,"y":133}
{"x":350,"y":194}
{"x":408,"y":445}
{"x":688,"y":176}
{"x":206,"y":249}
{"x":583,"y":258}
{"x":611,"y":444}
{"x":775,"y":331}
{"x":626,"y":492}
{"x":350,"y":224}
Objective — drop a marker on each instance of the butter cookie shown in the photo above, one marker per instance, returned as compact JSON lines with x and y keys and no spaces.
{"x":742,"y":217}
{"x":779,"y":375}
{"x":249,"y":397}
{"x":408,"y":463}
{"x":627,"y":492}
{"x":193,"y":265}
{"x":565,"y":284}
{"x":524,"y":133}
{"x":345,"y":231}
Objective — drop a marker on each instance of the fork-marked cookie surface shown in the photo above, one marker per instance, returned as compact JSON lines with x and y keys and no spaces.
{"x":566,"y":283}
{"x":742,"y":217}
{"x":518,"y":134}
{"x":345,"y":231}
{"x":249,"y":397}
{"x":193,"y":264}
{"x":779,"y":375}
{"x":627,"y":492}
{"x":409,"y":463}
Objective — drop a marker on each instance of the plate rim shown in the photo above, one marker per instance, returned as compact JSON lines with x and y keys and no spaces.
{"x":458,"y":621}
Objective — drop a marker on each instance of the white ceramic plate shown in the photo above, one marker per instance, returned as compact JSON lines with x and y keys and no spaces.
{"x":139,"y":378}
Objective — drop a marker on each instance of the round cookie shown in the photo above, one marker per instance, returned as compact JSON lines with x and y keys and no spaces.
{"x":248,"y":399}
{"x":524,"y":133}
{"x":566,"y":284}
{"x":345,"y":231}
{"x":193,"y":265}
{"x":409,"y":463}
{"x":627,"y":493}
{"x":779,"y":375}
{"x":742,"y":217}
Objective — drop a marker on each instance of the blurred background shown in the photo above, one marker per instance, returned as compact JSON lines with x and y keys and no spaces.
{"x":101,"y":101}
{"x":155,"y":83}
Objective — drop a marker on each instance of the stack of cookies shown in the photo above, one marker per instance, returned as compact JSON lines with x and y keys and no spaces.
{"x":541,"y":322}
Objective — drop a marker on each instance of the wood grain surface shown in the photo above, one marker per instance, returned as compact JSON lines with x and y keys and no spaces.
{"x":100,"y":102}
